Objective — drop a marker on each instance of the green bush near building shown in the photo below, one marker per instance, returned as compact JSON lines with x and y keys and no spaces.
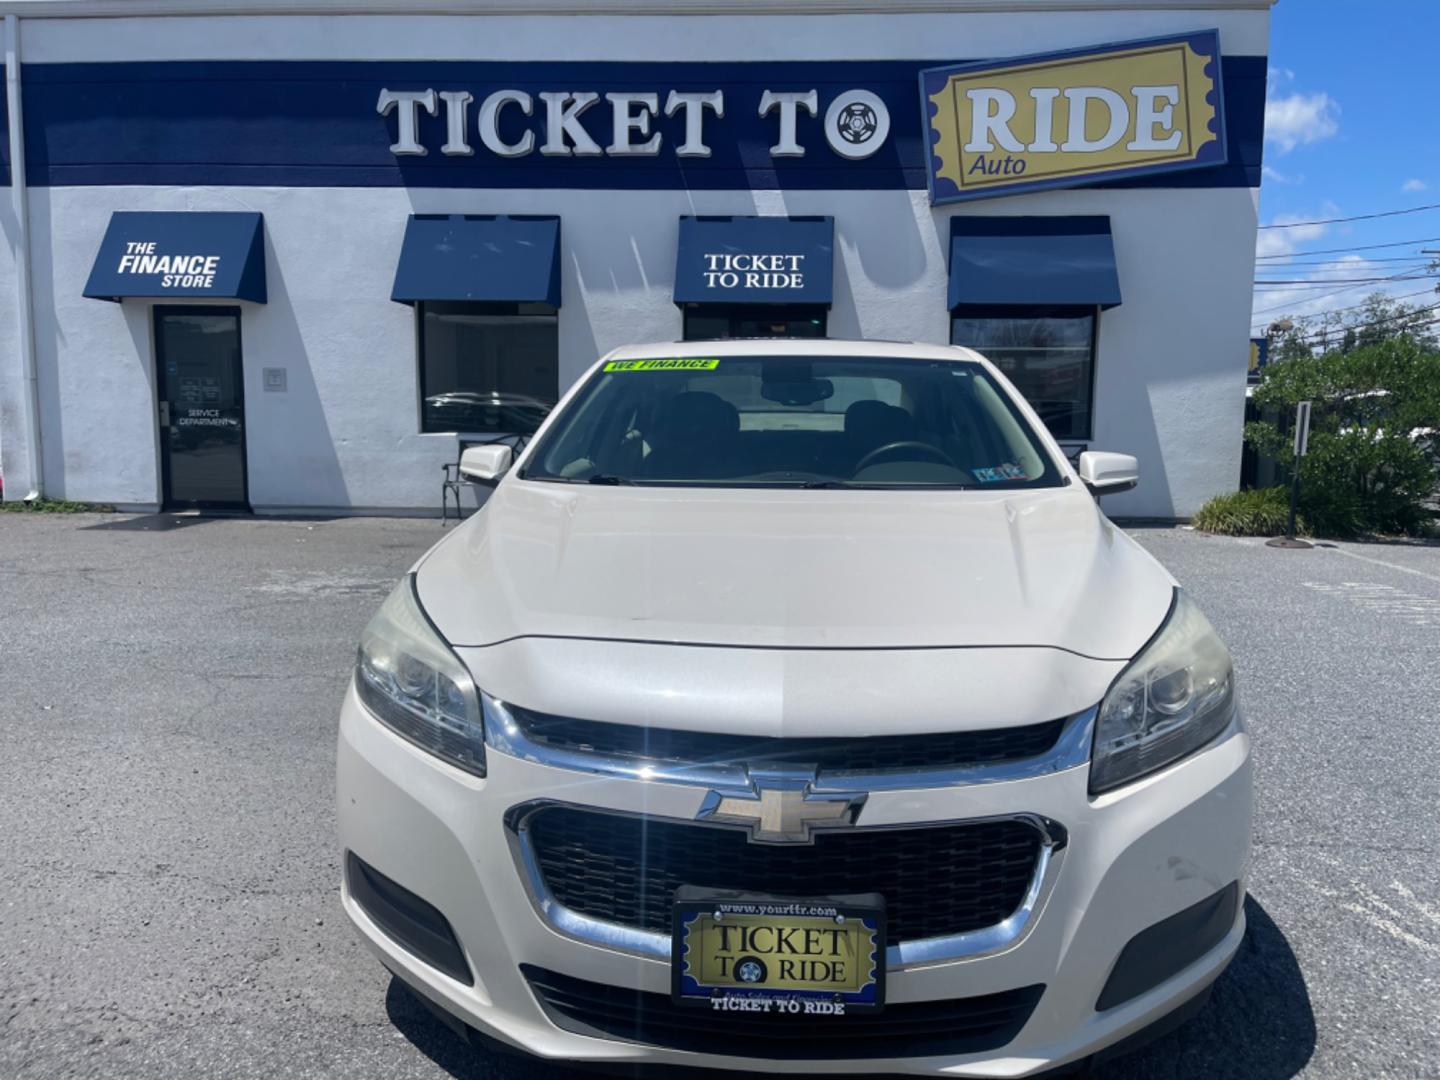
{"x":1259,"y":512}
{"x":53,"y":506}
{"x":1374,"y":452}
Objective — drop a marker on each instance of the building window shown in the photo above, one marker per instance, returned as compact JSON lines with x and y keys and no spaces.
{"x":713,"y":322}
{"x":487,"y":367}
{"x":1048,"y":353}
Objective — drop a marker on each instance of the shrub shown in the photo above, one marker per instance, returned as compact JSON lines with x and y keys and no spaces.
{"x":1261,"y":512}
{"x":1371,"y":464}
{"x":53,"y":506}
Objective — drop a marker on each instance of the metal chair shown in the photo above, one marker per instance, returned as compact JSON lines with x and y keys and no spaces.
{"x":454,"y":483}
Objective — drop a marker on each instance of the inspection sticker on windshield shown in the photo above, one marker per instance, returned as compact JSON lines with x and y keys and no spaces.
{"x":684,"y":363}
{"x":1007,"y":471}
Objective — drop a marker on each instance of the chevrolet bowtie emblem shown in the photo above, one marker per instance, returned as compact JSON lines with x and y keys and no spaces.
{"x":782,"y":807}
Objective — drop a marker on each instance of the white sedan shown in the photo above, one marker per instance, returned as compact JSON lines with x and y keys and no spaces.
{"x":794,"y":701}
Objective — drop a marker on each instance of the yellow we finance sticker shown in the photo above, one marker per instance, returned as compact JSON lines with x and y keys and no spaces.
{"x":683,"y":363}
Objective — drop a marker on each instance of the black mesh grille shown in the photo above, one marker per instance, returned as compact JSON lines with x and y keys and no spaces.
{"x":944,"y":879}
{"x":872,"y":753}
{"x":911,"y":1029}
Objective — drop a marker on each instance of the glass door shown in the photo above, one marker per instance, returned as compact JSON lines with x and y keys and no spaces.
{"x":202,"y":407}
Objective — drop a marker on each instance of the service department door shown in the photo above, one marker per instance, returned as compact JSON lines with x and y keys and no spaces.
{"x":202,"y":407}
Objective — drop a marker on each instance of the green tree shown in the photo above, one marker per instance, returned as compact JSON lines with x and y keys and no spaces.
{"x":1379,"y":318}
{"x":1374,"y":433}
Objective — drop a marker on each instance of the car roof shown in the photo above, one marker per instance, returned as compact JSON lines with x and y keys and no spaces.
{"x":904,"y":350}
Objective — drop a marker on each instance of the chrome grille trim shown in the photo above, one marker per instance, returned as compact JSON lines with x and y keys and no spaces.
{"x":505,"y":735}
{"x":898,"y":957}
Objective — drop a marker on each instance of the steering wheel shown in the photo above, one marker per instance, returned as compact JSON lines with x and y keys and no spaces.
{"x":906,"y":444}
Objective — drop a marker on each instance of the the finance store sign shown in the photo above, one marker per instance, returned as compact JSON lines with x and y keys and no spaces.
{"x":1064,"y":119}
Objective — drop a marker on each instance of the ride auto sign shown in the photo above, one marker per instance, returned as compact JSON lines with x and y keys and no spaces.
{"x":1065,"y":119}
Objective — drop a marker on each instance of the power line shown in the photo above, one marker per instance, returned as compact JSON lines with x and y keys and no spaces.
{"x":1318,"y":281}
{"x":1309,"y":290}
{"x":1361,"y":247}
{"x":1340,"y":331}
{"x":1311,"y":284}
{"x":1322,"y":296}
{"x":1367,"y":260}
{"x":1398,"y":316}
{"x":1331,"y":333}
{"x":1303,"y":296}
{"x":1351,"y":307}
{"x":1301,"y":284}
{"x":1354,"y":217}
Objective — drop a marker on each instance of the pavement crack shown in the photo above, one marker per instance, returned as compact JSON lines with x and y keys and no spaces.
{"x":222,"y":886}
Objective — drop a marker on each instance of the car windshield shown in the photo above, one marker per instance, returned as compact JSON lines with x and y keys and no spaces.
{"x":793,"y":421}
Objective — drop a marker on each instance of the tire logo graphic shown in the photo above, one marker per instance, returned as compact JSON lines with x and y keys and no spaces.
{"x":857,"y":123}
{"x":750,"y":969}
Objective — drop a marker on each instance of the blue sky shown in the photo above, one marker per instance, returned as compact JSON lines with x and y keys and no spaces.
{"x":1351,"y":128}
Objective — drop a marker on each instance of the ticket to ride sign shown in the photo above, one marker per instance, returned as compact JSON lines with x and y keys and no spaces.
{"x":1071,"y":118}
{"x":779,"y":957}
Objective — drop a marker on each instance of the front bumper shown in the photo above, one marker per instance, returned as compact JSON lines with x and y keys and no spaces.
{"x":1133,"y":858}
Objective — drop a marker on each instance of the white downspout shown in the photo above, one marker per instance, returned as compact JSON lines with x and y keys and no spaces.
{"x":20,"y":203}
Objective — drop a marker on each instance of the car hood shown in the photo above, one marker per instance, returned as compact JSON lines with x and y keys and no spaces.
{"x":795,"y":569}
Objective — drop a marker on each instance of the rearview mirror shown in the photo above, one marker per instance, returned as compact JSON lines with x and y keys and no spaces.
{"x":1106,"y":474}
{"x":797,"y":391}
{"x":486,"y":464}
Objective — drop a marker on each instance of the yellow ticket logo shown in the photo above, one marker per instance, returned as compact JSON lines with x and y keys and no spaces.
{"x":790,"y":953}
{"x":1064,"y":119}
{"x":676,"y":364}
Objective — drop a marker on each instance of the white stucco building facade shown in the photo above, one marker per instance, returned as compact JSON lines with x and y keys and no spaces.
{"x":187,"y":108}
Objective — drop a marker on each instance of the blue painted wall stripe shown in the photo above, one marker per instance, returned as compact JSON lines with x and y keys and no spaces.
{"x":314,"y":123}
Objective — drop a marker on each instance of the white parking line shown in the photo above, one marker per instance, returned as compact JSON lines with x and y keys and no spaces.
{"x":1387,"y":565}
{"x":1384,"y":600}
{"x":1394,"y":919}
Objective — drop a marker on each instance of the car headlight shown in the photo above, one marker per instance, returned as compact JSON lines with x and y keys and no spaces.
{"x":415,"y":685}
{"x":1175,"y":697}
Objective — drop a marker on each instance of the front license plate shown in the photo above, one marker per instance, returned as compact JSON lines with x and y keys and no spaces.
{"x":783,"y":957}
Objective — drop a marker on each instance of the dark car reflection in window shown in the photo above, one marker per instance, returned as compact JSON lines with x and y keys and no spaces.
{"x":468,"y":410}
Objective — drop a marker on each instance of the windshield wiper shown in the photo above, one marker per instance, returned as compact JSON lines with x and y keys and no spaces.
{"x":613,"y":481}
{"x":861,"y":485}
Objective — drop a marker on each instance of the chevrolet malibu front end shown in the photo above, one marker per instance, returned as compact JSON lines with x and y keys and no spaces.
{"x":795,"y":702}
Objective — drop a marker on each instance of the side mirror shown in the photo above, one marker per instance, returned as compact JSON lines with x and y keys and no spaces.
{"x":486,"y":464}
{"x":1106,"y":474}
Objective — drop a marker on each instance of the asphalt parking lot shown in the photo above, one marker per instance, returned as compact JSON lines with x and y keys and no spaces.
{"x":168,"y":870}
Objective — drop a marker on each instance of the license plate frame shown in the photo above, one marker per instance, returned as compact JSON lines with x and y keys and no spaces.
{"x":836,"y":941}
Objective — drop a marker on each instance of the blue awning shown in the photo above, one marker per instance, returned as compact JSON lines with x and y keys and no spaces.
{"x":181,"y":253}
{"x":1033,"y":260}
{"x":479,"y":257}
{"x":765,"y":260}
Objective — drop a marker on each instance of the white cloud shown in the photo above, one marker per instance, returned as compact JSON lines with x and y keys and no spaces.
{"x":1311,"y":293}
{"x":1313,"y":297}
{"x":1300,"y":119}
{"x":1291,"y":281}
{"x":1272,"y":243}
{"x":1309,"y":298}
{"x":1275,"y":176}
{"x":1414,"y":184}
